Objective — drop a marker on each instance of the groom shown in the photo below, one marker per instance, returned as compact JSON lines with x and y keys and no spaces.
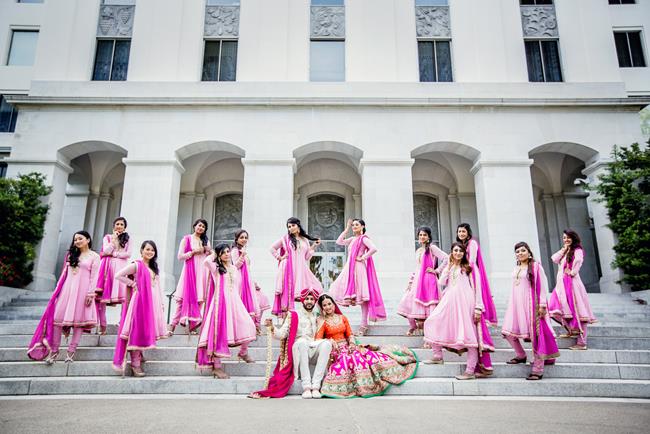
{"x":297,"y":335}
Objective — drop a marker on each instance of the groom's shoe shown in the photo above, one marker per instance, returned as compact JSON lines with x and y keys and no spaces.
{"x":307,"y":394}
{"x":315,"y":393}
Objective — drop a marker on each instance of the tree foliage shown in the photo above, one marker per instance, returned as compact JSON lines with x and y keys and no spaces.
{"x":22,"y":223}
{"x":625,"y":189}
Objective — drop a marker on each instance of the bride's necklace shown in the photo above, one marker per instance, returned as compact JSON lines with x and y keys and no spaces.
{"x":332,"y":320}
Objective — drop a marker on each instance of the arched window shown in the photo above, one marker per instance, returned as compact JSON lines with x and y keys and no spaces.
{"x":326,"y":219}
{"x":227,"y":218}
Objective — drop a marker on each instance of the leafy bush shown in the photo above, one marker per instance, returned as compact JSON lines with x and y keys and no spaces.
{"x":22,"y":223}
{"x":625,"y":189}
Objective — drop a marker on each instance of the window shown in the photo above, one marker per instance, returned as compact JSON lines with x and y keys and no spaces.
{"x":3,"y":170}
{"x":227,"y":218}
{"x":535,"y":2}
{"x":223,"y":2}
{"x":327,"y":61}
{"x":220,"y":61}
{"x":543,"y":59}
{"x":22,"y":50}
{"x":327,"y":3}
{"x":112,"y":59}
{"x":622,"y":2}
{"x":435,"y":61}
{"x":119,"y":2}
{"x":431,"y":2}
{"x":8,"y":115}
{"x":425,"y":213}
{"x":629,"y":49}
{"x":30,"y":1}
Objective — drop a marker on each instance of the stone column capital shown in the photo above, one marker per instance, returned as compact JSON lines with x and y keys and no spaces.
{"x":526,"y":162}
{"x":146,"y":162}
{"x":596,"y":168}
{"x":40,"y":162}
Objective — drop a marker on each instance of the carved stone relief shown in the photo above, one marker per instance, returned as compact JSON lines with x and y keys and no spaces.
{"x":426,"y":214}
{"x":115,"y":20}
{"x":221,"y":21}
{"x":328,"y":22}
{"x":227,"y":216}
{"x":432,"y":21}
{"x":539,"y":21}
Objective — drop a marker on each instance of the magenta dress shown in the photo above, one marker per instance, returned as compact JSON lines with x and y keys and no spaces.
{"x":71,"y":309}
{"x":290,"y":281}
{"x":239,"y":324}
{"x":339,"y":286}
{"x":200,"y":271}
{"x":414,"y":307}
{"x":113,"y":259}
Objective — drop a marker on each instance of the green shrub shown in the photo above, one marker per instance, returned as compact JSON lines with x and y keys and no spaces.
{"x":22,"y":223}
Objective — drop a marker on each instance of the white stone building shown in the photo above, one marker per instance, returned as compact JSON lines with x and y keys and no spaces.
{"x":246,"y":112}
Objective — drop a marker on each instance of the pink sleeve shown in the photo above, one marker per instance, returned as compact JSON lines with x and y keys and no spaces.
{"x":444,"y":277}
{"x":371,"y":247}
{"x":543,"y":294}
{"x":275,"y":248}
{"x":478,"y":293}
{"x":207,"y":248}
{"x":94,"y":272}
{"x":557,"y":256}
{"x":309,"y":253}
{"x":578,"y":259}
{"x":443,"y":258}
{"x":472,"y":252}
{"x":107,"y":246}
{"x":124,"y":273}
{"x":181,"y":251}
{"x":237,"y":259}
{"x":342,"y":241}
{"x":126,"y":252}
{"x":209,"y":262}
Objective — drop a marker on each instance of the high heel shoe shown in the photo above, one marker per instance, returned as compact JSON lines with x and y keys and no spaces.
{"x":69,"y":358}
{"x":137,"y":371}
{"x":51,"y":359}
{"x":170,"y":330}
{"x":362,"y":331}
{"x":245,"y":358}
{"x":220,"y":374}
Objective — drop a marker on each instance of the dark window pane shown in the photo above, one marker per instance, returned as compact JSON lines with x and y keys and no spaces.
{"x":427,"y":64}
{"x":443,"y":60}
{"x":8,"y":115}
{"x":228,"y":70}
{"x":3,"y":170}
{"x":621,"y":2}
{"x":103,"y":57}
{"x":636,"y":48}
{"x":534,"y":61}
{"x":327,"y":3}
{"x":431,"y":2}
{"x":622,"y":50}
{"x":536,"y":2}
{"x":120,"y":60}
{"x":552,"y":66}
{"x":210,"y":61}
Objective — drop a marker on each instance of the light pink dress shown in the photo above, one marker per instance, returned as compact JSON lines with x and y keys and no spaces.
{"x":579,"y":291}
{"x":239,"y":261}
{"x":517,"y":321}
{"x":200,"y":270}
{"x":240,"y":325}
{"x":302,"y":276}
{"x":71,"y":309}
{"x":120,"y":259}
{"x":408,"y":307}
{"x":451,"y":325}
{"x":158,"y":303}
{"x":339,"y":286}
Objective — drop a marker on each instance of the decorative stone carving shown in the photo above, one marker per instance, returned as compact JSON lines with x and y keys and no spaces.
{"x":221,"y":21}
{"x":227,"y":216}
{"x":328,"y":22}
{"x":432,"y":22}
{"x":115,"y":20}
{"x":326,"y":216}
{"x":539,"y":21}
{"x":425,"y":213}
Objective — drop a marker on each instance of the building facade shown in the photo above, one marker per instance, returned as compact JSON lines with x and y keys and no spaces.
{"x":403,"y":112}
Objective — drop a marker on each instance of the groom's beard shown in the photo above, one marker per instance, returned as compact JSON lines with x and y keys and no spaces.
{"x":308,"y":309}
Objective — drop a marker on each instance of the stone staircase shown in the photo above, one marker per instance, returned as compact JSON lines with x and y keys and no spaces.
{"x":616,"y":365}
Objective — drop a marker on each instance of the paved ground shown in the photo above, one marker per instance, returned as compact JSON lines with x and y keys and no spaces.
{"x":185,"y":414}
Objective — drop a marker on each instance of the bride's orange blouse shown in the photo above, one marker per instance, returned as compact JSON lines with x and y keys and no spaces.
{"x":339,"y":332}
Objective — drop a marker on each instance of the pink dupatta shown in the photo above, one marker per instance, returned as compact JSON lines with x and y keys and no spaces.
{"x":543,"y":340}
{"x":105,"y":277}
{"x":282,"y":379}
{"x":190,"y":311}
{"x":246,"y":290}
{"x":427,"y":292}
{"x":567,"y":280}
{"x":376,"y":309}
{"x":286,"y":299}
{"x":142,"y":331}
{"x":490,"y":313}
{"x":217,"y":344}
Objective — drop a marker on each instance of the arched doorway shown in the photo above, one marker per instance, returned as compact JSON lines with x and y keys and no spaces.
{"x":326,"y":219}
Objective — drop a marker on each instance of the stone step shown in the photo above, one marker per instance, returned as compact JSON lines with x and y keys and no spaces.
{"x":554,"y":387}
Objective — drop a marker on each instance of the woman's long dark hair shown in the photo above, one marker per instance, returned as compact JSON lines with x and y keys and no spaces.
{"x":218,"y":250}
{"x":464,"y":263}
{"x":74,"y":252}
{"x":576,"y":243}
{"x":302,"y":233}
{"x":153,"y":262}
{"x":531,"y":261}
{"x":239,"y":234}
{"x":362,"y":223}
{"x":468,"y":228}
{"x":324,"y":297}
{"x":426,"y":230}
{"x":122,"y":238}
{"x":204,"y":235}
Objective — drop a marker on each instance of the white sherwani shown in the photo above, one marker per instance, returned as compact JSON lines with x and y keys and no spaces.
{"x":306,"y":350}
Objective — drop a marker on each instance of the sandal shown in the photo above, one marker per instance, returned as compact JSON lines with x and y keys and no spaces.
{"x":434,"y":362}
{"x":534,"y":377}
{"x":516,"y":361}
{"x":220,"y":374}
{"x":137,"y":371}
{"x":170,"y":330}
{"x":362,"y":331}
{"x":51,"y":359}
{"x":69,"y":358}
{"x":245,"y":358}
{"x":577,"y":347}
{"x":411,"y":332}
{"x":466,"y":376}
{"x":101,"y":330}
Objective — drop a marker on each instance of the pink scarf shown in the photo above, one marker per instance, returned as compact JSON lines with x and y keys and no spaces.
{"x":39,"y":347}
{"x":142,"y":331}
{"x":426,"y":292}
{"x":490,"y":312}
{"x":543,"y":340}
{"x":105,"y":276}
{"x":246,"y":290}
{"x":567,"y":280}
{"x":376,"y":309}
{"x":217,"y":344}
{"x":285,"y":300}
{"x":190,"y":311}
{"x":282,"y":379}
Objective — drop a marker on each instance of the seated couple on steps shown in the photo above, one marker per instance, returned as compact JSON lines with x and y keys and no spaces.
{"x":343,"y":368}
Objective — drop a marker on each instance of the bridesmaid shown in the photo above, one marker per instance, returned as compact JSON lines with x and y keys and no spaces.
{"x":569,"y":304}
{"x":143,"y":321}
{"x":293,"y":253}
{"x":253,"y":298}
{"x":455,"y":322}
{"x":422,"y":294}
{"x":479,"y":280}
{"x":71,"y":305}
{"x":227,"y":323}
{"x":527,"y":317}
{"x":361,"y":286}
{"x":191,"y":289}
{"x":115,"y":253}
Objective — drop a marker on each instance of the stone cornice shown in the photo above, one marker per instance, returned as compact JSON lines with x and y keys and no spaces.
{"x":500,"y":163}
{"x":36,"y":162}
{"x":596,"y":166}
{"x":147,"y":162}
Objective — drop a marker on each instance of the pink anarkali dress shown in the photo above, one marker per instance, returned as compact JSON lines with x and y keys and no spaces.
{"x":253,"y":298}
{"x":569,"y":304}
{"x":451,"y":324}
{"x":110,"y":291}
{"x":227,"y":322}
{"x":422,"y":294}
{"x":294,"y":274}
{"x":361,"y":287}
{"x":522,"y":320}
{"x":67,"y":308}
{"x":192,"y":285}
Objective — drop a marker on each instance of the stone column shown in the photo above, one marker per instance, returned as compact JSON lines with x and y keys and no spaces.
{"x":100,"y":223}
{"x":554,"y":237}
{"x":56,"y":173}
{"x":91,"y":212}
{"x":199,"y":199}
{"x":267,"y":204}
{"x":150,"y":203}
{"x":357,"y":204}
{"x":387,"y":189}
{"x":506,"y":215}
{"x":468,"y":213}
{"x":605,"y":238}
{"x":454,"y":213}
